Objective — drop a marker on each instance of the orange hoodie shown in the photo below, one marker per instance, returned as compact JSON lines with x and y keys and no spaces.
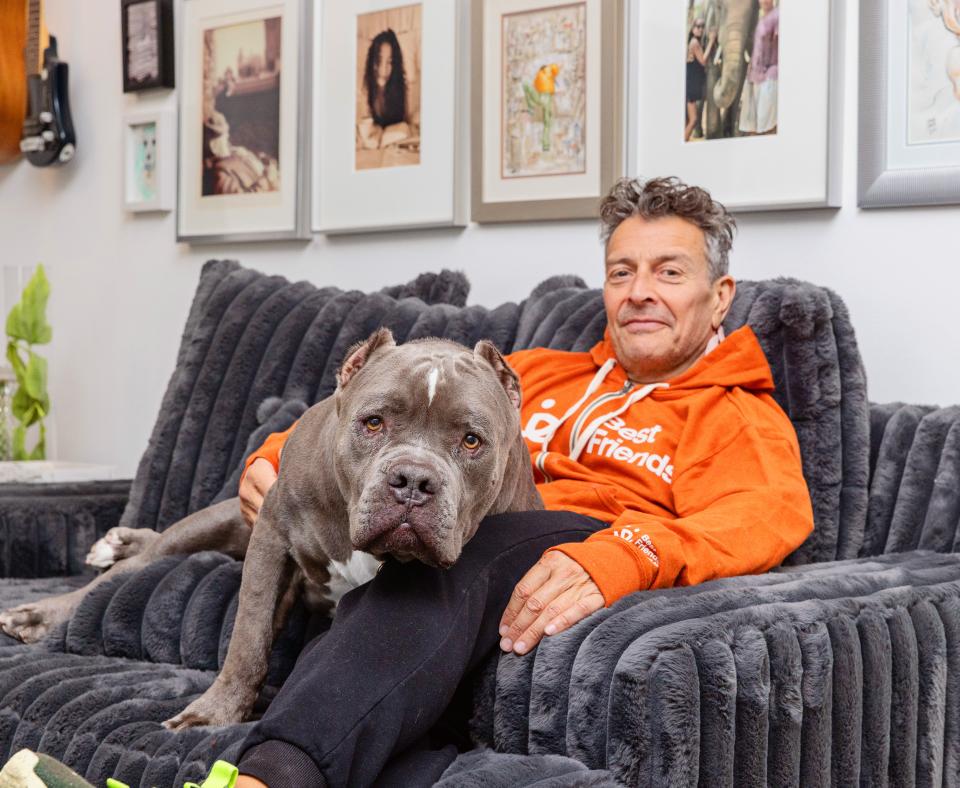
{"x":700,"y":477}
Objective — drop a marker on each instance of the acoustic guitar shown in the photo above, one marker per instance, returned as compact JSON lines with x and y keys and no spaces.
{"x":47,"y":135}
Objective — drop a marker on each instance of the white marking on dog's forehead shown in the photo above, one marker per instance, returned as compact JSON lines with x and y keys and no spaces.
{"x":432,"y":378}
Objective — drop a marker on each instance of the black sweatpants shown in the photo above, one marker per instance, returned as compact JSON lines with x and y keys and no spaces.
{"x":375,"y":699}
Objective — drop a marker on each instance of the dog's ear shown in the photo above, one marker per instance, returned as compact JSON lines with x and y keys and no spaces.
{"x":487,"y":351}
{"x":360,"y":353}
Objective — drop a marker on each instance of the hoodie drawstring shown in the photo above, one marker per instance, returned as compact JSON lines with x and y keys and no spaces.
{"x":594,"y":425}
{"x":598,"y":379}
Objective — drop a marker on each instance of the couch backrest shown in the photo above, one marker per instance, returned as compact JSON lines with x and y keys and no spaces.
{"x":260,"y":343}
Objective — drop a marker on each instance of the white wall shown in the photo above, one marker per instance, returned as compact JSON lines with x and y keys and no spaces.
{"x":122,"y":286}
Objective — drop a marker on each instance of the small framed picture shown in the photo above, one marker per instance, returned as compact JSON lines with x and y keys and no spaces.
{"x":727,"y":94}
{"x":909,"y":103}
{"x":149,"y":141}
{"x":390,"y":127}
{"x":147,"y":33}
{"x":547,"y":107}
{"x":244,"y":158}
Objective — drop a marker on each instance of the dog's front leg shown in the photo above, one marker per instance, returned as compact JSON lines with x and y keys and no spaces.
{"x":267,"y":575}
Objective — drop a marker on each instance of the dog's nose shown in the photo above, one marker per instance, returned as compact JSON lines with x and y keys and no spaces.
{"x":412,"y":483}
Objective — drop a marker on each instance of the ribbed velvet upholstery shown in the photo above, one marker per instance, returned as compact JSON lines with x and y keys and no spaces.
{"x":842,"y":667}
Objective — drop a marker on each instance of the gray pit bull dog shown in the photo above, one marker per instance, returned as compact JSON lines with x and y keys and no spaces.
{"x":419,"y":442}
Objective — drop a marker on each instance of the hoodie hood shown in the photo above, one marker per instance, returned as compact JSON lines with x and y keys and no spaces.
{"x":738,"y":361}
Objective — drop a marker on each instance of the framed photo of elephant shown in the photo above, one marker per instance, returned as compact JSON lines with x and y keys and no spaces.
{"x":547,"y":121}
{"x":759,"y":123}
{"x":909,"y":103}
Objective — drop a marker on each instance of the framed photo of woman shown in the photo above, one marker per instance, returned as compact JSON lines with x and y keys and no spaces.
{"x":244,"y":78}
{"x":761,"y":82}
{"x":389,"y":127}
{"x":909,"y":103}
{"x":547,"y":107}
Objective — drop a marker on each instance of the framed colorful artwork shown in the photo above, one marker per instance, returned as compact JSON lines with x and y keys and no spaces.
{"x":909,"y":103}
{"x":389,"y":138}
{"x":150,"y":155}
{"x":146,"y":28}
{"x":547,"y":107}
{"x":761,"y":87}
{"x":244,"y":79}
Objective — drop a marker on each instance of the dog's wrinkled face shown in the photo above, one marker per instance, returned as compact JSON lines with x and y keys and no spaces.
{"x":422,"y":462}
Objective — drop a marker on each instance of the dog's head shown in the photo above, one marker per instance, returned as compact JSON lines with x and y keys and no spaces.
{"x":424,"y":440}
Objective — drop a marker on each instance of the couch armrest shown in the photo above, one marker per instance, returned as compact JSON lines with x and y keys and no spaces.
{"x":47,"y":529}
{"x":753,"y":679}
{"x":914,"y":480}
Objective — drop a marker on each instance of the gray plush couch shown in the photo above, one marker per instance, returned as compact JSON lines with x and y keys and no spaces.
{"x":842,"y":667}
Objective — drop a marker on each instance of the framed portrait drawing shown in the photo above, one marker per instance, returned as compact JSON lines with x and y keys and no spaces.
{"x":150,"y":156}
{"x":909,"y":103}
{"x":147,"y":34}
{"x":547,"y":107}
{"x":388,"y":149}
{"x":244,"y":76}
{"x":742,"y":97}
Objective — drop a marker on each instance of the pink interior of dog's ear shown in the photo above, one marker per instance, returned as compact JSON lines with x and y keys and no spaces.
{"x":360,"y":353}
{"x":486,"y":350}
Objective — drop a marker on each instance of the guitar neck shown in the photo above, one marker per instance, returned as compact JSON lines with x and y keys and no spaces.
{"x":36,"y":37}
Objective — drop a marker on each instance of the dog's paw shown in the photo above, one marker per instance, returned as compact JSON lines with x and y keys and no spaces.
{"x":211,"y":708}
{"x":30,"y":622}
{"x":119,"y":543}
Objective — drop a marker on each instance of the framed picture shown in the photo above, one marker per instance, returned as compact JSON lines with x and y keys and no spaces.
{"x":547,"y":107}
{"x":147,"y":33}
{"x":909,"y":103}
{"x":742,"y":97}
{"x":244,"y":76}
{"x":388,"y":150}
{"x":149,"y":171}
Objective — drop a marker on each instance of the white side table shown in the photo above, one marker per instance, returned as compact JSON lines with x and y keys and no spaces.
{"x":54,"y":471}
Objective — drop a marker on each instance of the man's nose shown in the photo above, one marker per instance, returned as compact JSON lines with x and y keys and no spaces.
{"x":642,"y":289}
{"x":412,"y":483}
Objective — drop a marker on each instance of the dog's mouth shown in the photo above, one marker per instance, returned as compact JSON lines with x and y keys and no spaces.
{"x":404,"y":533}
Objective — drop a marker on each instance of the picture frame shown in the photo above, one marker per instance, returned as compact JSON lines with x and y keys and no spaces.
{"x":909,"y":119}
{"x":147,"y":44}
{"x":244,"y":121}
{"x":778,"y":112}
{"x":547,"y":107}
{"x":149,"y":150}
{"x":390,"y":143}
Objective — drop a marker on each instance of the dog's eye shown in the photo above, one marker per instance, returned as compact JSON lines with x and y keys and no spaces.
{"x":373,"y":423}
{"x":471,"y":441}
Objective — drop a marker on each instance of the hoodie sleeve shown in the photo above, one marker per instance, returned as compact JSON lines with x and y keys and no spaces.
{"x":741,"y":510}
{"x":269,"y":451}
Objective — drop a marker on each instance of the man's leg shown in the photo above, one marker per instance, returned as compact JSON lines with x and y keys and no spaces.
{"x":399,"y":646}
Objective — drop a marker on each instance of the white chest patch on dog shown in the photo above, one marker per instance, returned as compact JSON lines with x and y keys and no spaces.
{"x":432,"y":379}
{"x":347,"y":575}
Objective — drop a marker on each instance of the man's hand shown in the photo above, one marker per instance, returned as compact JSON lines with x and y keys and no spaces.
{"x":553,"y":596}
{"x":259,"y":478}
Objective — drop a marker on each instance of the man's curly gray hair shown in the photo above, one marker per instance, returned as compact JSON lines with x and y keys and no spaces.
{"x":660,"y":197}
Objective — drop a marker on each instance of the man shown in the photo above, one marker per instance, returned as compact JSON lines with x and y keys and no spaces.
{"x":662,"y":460}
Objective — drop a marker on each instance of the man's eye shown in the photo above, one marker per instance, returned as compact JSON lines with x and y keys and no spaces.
{"x":471,"y":441}
{"x":671,"y":273}
{"x":618,"y":273}
{"x":373,"y":423}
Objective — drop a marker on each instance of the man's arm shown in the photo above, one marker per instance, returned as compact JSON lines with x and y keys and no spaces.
{"x":260,"y":473}
{"x":742,"y":511}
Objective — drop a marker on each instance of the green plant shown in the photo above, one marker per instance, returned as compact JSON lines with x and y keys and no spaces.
{"x":27,"y":327}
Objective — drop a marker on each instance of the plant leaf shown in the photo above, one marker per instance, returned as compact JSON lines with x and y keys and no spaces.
{"x":22,"y":404}
{"x":35,"y":379}
{"x":13,"y":356}
{"x":15,"y":329}
{"x":33,"y":309}
{"x":19,"y":439}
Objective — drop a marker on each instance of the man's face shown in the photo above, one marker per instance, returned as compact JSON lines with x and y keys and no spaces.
{"x":661,"y":306}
